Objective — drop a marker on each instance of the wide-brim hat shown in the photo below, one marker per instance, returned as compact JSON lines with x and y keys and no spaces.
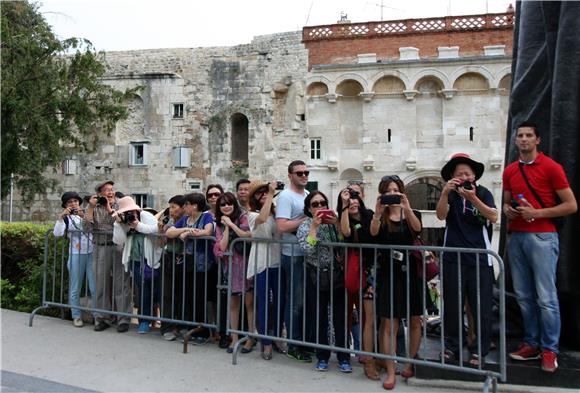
{"x":127,"y":204}
{"x":461,"y":158}
{"x":101,"y":185}
{"x":67,"y":196}
{"x":255,"y":185}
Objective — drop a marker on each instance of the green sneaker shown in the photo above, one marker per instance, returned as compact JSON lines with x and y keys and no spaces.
{"x":298,"y":355}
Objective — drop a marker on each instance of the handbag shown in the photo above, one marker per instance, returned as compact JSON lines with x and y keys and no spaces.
{"x":352,"y":275}
{"x":431,"y":267}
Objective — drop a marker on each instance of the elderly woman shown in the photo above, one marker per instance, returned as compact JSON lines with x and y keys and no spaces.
{"x":131,"y":226}
{"x":324,"y":273}
{"x":396,"y":223}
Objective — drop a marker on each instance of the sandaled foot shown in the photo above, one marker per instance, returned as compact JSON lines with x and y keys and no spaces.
{"x":475,"y":361}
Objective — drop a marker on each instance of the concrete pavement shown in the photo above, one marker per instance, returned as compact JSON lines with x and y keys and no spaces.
{"x":53,"y":356}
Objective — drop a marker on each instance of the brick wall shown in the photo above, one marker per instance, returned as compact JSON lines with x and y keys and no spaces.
{"x":341,"y":43}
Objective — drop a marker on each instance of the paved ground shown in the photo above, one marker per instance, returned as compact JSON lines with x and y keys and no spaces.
{"x":53,"y":356}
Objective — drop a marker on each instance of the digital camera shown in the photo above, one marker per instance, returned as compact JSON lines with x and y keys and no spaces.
{"x":129,"y":217}
{"x":103,"y":201}
{"x":354,"y":194}
{"x":279,"y":185}
{"x":390,"y":199}
{"x":467,"y":185}
{"x":74,"y":211}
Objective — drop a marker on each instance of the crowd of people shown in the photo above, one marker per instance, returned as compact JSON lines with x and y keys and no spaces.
{"x":287,"y":274}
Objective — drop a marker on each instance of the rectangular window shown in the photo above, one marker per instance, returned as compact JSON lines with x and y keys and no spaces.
{"x":181,"y":157}
{"x":194,"y":185}
{"x":138,"y":153}
{"x":141,"y":199}
{"x":315,"y":149}
{"x":69,"y":167}
{"x":177,"y":111}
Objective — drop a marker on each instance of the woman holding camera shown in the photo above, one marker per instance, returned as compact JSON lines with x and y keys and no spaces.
{"x":80,"y":254}
{"x":324,"y":274}
{"x":130,"y":230}
{"x":355,"y":221}
{"x":233,"y":223}
{"x":396,"y":223}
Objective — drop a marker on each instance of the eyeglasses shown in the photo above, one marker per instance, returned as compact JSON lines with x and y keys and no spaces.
{"x":226,"y":204}
{"x":317,"y":204}
{"x":302,"y":173}
{"x":390,"y":178}
{"x":213,"y":194}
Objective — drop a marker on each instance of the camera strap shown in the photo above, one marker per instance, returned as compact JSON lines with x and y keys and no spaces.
{"x":521,"y":166}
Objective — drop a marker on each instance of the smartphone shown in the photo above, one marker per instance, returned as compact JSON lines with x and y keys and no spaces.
{"x":326,"y":214}
{"x":390,"y":199}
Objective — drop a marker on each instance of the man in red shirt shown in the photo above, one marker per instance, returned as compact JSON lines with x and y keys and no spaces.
{"x":532,"y":186}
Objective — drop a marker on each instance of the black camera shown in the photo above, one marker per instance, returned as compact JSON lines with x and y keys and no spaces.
{"x":103,"y":201}
{"x":467,"y":185}
{"x":354,"y":194}
{"x":129,"y":217}
{"x":279,"y":185}
{"x":515,"y":204}
{"x":74,"y":211}
{"x":390,"y":199}
{"x":165,"y":220}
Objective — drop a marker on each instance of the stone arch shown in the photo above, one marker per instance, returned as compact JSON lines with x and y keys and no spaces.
{"x":429,"y":84}
{"x":239,"y":126}
{"x":471,"y":81}
{"x":349,"y":88}
{"x":389,"y":84}
{"x":431,"y":73}
{"x":505,"y":82}
{"x":317,"y":89}
{"x":395,"y":73}
{"x":484,"y":72}
{"x":350,"y":76}
{"x":351,"y":174}
{"x":500,"y":76}
{"x":424,"y":191}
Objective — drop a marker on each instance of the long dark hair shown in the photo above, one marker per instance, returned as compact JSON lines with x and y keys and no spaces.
{"x":227,"y":197}
{"x":255,"y":203}
{"x":309,"y":198}
{"x":383,"y":187}
{"x":361,"y":205}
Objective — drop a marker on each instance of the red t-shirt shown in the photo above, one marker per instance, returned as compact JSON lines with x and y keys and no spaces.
{"x":545,"y":176}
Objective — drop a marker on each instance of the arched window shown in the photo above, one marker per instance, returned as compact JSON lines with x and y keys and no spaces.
{"x":239,"y":124}
{"x":423,"y":193}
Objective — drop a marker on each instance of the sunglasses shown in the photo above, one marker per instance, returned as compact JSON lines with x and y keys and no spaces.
{"x":261,"y":191}
{"x":226,"y":204}
{"x":317,"y":204}
{"x":390,"y":178}
{"x":302,"y":173}
{"x":213,"y":195}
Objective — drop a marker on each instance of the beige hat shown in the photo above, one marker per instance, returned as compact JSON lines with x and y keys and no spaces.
{"x":127,"y":204}
{"x":255,"y":185}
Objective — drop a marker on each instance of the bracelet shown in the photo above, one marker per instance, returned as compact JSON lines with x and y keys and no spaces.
{"x":310,"y":240}
{"x":345,"y":208}
{"x":377,"y":219}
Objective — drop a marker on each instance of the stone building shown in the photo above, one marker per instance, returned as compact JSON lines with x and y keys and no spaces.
{"x":355,"y":101}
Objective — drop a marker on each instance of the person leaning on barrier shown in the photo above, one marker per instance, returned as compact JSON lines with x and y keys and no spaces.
{"x":112,"y":283}
{"x":264,"y":261}
{"x":141,"y":253}
{"x":324,"y":276}
{"x":530,"y":204}
{"x":212,"y":194}
{"x":191,"y":273}
{"x":396,"y":223}
{"x":80,"y":255}
{"x":469,"y":211}
{"x":355,"y":221}
{"x":172,"y":255}
{"x":232,"y":223}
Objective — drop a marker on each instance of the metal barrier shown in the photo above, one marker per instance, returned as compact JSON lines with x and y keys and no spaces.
{"x":314,"y":295}
{"x":180,"y":286}
{"x":315,"y":316}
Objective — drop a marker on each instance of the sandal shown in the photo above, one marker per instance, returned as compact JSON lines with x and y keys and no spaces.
{"x":475,"y":362}
{"x":448,"y":356}
{"x":371,"y":369}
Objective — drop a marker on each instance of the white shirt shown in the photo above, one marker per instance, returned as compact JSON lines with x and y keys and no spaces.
{"x":262,"y":254}
{"x":80,"y":242}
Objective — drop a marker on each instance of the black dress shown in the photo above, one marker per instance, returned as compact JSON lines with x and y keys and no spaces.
{"x":402,"y":235}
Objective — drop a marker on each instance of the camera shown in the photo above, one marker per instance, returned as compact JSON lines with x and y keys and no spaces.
{"x":129,"y":217}
{"x":279,"y":185}
{"x":103,"y":201}
{"x":466,"y":185}
{"x":74,"y":211}
{"x":515,"y":204}
{"x":166,"y":216}
{"x":390,"y":199}
{"x":354,"y":194}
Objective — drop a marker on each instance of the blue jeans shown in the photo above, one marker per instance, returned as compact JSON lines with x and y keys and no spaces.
{"x":148,"y":290}
{"x":533,"y":258}
{"x":268,"y":281}
{"x":293,"y":268}
{"x":77,"y":265}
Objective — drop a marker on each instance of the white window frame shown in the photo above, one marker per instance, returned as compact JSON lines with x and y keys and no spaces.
{"x":174,"y":106}
{"x":315,"y":149}
{"x":69,"y":167}
{"x":194,"y":185}
{"x":181,"y":157}
{"x":133,"y":154}
{"x":139,"y":198}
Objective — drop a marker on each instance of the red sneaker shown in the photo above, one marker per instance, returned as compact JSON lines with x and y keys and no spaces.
{"x":549,"y":361}
{"x":525,"y":352}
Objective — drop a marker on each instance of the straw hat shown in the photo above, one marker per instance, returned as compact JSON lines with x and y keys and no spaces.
{"x":127,"y":204}
{"x":255,"y":185}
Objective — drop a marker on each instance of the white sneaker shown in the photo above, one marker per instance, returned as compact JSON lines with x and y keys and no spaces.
{"x":169,"y":336}
{"x":78,"y":322}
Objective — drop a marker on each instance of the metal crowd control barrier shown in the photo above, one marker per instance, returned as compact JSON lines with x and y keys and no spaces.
{"x":382,"y":264}
{"x":179,"y":286}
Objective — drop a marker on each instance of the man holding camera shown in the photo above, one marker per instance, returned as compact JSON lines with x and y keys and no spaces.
{"x":532,"y":186}
{"x":107,"y":260}
{"x":469,"y":211}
